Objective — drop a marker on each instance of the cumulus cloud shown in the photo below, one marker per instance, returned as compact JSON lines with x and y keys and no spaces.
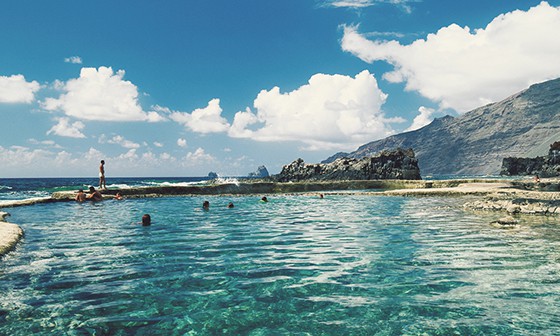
{"x":198,"y":157}
{"x":425,"y":117}
{"x":67,"y":129}
{"x":100,"y":94}
{"x":330,"y":112}
{"x":15,"y":89}
{"x":73,"y":60}
{"x":121,"y":141}
{"x":203,"y":120}
{"x":463,"y":69}
{"x":158,"y":144}
{"x":182,"y":142}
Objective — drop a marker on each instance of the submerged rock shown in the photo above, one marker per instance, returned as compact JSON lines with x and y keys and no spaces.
{"x":399,"y":164}
{"x":507,"y":222}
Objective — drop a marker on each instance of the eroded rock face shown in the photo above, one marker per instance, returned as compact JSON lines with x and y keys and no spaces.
{"x":543,"y":166}
{"x":399,"y":164}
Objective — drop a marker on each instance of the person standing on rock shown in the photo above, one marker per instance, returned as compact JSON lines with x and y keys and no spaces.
{"x":102,"y":184}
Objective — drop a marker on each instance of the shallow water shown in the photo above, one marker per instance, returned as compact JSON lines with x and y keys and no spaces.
{"x":298,"y":265}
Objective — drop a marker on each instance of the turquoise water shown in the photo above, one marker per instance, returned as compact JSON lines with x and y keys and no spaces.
{"x":298,"y":265}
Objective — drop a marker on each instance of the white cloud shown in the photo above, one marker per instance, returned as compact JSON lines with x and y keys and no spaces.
{"x":100,"y":94}
{"x":182,"y":142}
{"x":198,"y":157}
{"x":47,"y":143}
{"x":15,"y":89}
{"x":73,"y":60}
{"x":425,"y":117}
{"x":66,"y":129}
{"x":464,"y":69}
{"x":158,"y":144}
{"x":356,"y":4}
{"x":330,"y":112}
{"x":203,"y":120}
{"x":121,"y":141}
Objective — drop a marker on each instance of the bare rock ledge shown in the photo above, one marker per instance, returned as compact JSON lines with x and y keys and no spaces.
{"x":10,"y":234}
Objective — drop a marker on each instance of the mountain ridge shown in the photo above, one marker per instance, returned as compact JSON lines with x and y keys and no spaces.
{"x":475,"y":142}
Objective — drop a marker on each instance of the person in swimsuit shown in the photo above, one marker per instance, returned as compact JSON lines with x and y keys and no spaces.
{"x":102,"y":184}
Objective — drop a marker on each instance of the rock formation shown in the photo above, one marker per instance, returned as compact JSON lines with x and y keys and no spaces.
{"x":260,"y":173}
{"x":522,"y":125}
{"x":399,"y":164}
{"x":543,"y":166}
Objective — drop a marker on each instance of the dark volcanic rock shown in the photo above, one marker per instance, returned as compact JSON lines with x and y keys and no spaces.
{"x":522,"y":125}
{"x":398,"y":164}
{"x":543,"y":166}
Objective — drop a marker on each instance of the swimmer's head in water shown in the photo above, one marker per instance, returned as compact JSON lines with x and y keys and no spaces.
{"x":146,"y":220}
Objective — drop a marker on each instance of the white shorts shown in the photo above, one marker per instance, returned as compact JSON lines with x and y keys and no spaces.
{"x":101,"y":174}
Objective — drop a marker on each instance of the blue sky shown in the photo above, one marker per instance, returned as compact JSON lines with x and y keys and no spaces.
{"x":182,"y":88}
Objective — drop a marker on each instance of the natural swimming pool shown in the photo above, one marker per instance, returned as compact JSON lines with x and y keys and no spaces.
{"x":297,"y":265}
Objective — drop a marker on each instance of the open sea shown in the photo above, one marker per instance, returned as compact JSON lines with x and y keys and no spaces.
{"x":346,"y":264}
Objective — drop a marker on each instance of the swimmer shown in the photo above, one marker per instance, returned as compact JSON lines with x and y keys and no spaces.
{"x":230,"y":205}
{"x":321,"y":196}
{"x":119,"y":196}
{"x":80,"y":196}
{"x":146,"y":220}
{"x":94,"y":195}
{"x":206,"y":205}
{"x":264,"y":199}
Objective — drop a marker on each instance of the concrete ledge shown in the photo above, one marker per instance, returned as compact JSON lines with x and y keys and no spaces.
{"x":10,"y":235}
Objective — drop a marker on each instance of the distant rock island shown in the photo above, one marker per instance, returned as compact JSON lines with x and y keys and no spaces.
{"x":399,"y":164}
{"x":260,"y":173}
{"x":476,"y":142}
{"x":542,"y":166}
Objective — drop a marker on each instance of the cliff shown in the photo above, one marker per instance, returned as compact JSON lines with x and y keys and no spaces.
{"x":543,"y":166}
{"x":398,"y":164}
{"x":476,"y":142}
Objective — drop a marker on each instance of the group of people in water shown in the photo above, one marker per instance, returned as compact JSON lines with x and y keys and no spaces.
{"x":95,"y":196}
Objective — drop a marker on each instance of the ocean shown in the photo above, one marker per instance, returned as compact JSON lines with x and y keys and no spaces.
{"x":346,"y":264}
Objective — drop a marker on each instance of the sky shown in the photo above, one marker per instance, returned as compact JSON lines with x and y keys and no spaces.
{"x":184,"y":88}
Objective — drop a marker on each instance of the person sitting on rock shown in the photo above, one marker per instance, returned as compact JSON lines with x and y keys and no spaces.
{"x":94,"y":195}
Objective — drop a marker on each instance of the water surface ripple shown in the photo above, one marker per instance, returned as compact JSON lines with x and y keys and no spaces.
{"x":297,"y":265}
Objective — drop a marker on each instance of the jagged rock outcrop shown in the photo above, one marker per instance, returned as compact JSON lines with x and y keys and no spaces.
{"x":399,"y":164}
{"x":543,"y":166}
{"x":212,"y":175}
{"x":260,"y":173}
{"x":522,"y":125}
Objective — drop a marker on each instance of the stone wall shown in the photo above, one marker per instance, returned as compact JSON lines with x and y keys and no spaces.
{"x":399,"y":164}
